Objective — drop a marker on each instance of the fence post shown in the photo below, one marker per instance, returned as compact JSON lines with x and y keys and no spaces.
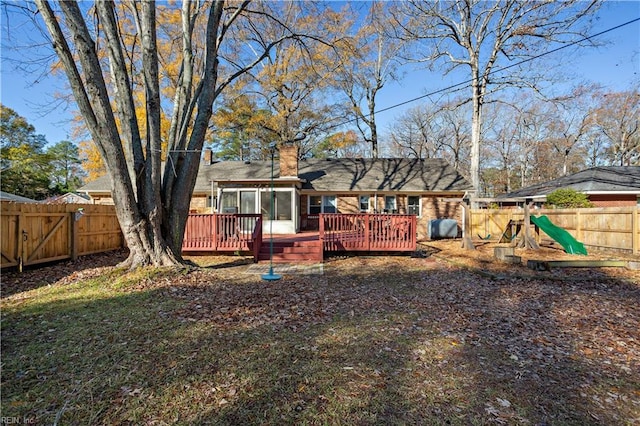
{"x":635,"y":231}
{"x":73,"y":238}
{"x":20,"y":238}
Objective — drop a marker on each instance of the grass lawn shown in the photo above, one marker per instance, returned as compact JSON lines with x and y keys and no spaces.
{"x":448,"y":339}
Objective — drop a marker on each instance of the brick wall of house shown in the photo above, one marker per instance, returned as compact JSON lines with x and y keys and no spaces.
{"x":435,"y":207}
{"x":348,"y":203}
{"x":621,"y":200}
{"x":199,"y":204}
{"x":401,"y":204}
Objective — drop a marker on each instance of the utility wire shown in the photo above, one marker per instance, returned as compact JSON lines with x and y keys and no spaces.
{"x":458,"y":86}
{"x":497,"y":70}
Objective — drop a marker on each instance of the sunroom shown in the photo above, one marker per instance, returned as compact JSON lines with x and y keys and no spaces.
{"x":255,"y":197}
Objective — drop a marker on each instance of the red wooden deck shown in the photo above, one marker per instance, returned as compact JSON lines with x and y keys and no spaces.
{"x":368,"y":232}
{"x":222,"y":232}
{"x":337,"y":232}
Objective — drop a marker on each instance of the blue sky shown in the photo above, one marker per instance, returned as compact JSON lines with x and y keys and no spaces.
{"x":615,"y":66}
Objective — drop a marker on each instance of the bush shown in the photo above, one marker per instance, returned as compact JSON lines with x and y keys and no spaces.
{"x":568,"y":198}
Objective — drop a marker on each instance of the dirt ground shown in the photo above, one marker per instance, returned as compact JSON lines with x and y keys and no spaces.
{"x":483,"y":259}
{"x":441,"y":252}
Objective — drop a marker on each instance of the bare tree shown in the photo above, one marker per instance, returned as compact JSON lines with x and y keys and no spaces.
{"x":153,"y":207}
{"x":368,"y":62}
{"x":417,"y":133}
{"x":481,"y":35}
{"x":571,"y":123}
{"x":502,"y":140}
{"x":617,"y":119}
{"x":520,"y":143}
{"x":456,"y":136}
{"x":430,"y":131}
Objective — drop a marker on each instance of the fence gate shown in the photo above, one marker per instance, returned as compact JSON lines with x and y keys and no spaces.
{"x":9,"y":248}
{"x":44,"y":237}
{"x":37,"y":233}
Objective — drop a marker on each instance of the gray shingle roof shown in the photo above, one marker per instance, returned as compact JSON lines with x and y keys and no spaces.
{"x":383,"y":174}
{"x":5,"y":196}
{"x":100,"y":184}
{"x":335,"y":175}
{"x":594,"y":180}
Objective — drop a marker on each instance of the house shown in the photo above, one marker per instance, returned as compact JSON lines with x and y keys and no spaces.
{"x":613,"y":186}
{"x":70,"y":198}
{"x":427,"y":188}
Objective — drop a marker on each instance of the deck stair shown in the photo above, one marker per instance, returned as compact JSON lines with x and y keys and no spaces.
{"x":288,"y":251}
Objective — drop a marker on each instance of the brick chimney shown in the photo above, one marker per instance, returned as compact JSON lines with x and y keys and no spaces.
{"x":208,"y":156}
{"x":288,"y":160}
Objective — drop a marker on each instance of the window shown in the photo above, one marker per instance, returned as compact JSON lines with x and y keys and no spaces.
{"x":329,"y":204}
{"x":322,"y":204}
{"x":364,"y":203}
{"x":315,"y":204}
{"x":390,"y":203}
{"x":247,"y":202}
{"x":281,"y":205}
{"x":229,"y":202}
{"x":211,"y":201}
{"x":234,"y":201}
{"x":413,"y":205}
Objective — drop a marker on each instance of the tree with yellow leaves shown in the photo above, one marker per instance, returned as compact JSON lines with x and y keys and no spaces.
{"x":121,"y":89}
{"x":294,"y":84}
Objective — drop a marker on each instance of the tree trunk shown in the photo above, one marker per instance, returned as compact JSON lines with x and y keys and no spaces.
{"x":372,"y":125}
{"x":476,"y":132}
{"x":152,"y":208}
{"x":146,"y":244}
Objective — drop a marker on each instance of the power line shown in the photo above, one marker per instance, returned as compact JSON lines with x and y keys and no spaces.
{"x":467,"y":82}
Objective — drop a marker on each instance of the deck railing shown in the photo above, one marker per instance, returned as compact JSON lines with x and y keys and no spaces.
{"x":257,"y":239}
{"x":310,"y":222}
{"x":222,"y":232}
{"x":338,"y":232}
{"x":368,"y":232}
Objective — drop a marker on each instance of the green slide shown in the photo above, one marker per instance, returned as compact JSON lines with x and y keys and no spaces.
{"x":570,"y":244}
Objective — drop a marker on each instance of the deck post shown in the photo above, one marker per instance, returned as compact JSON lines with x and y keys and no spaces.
{"x":367,"y":231}
{"x":321,"y":230}
{"x":214,"y":227}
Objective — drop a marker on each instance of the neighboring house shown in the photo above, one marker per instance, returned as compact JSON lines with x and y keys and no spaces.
{"x":613,"y":186}
{"x":70,"y":198}
{"x":428,"y":188}
{"x":5,"y":196}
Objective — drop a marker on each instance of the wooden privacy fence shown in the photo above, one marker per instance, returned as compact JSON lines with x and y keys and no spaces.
{"x":35,"y":233}
{"x":367,"y":232}
{"x":616,"y":228}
